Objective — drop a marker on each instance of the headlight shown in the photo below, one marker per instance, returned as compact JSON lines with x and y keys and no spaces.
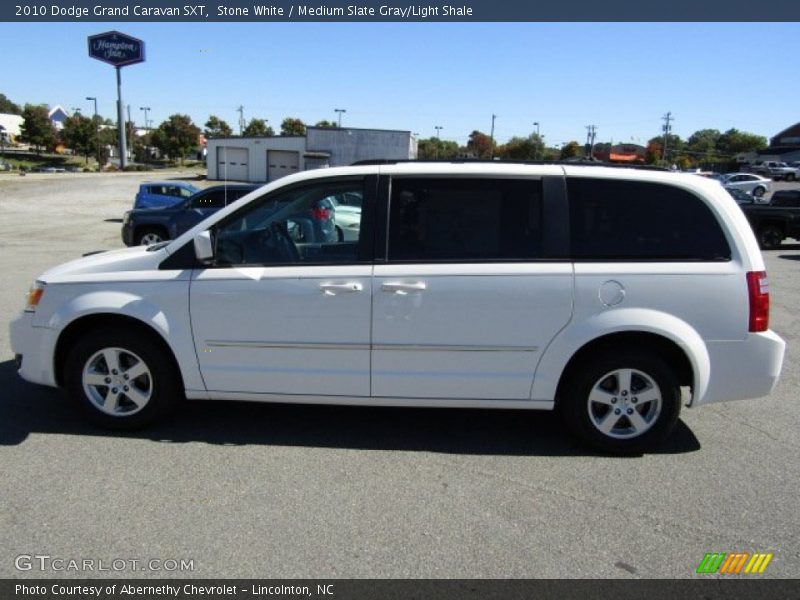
{"x":34,"y":296}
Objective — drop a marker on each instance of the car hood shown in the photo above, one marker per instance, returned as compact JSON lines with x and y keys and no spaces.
{"x":105,"y":266}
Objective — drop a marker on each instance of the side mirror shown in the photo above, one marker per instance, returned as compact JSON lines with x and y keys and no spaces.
{"x":203,"y":249}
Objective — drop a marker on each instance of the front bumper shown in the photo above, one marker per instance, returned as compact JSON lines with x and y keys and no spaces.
{"x":744,"y":369}
{"x":127,"y":233}
{"x":35,"y":347}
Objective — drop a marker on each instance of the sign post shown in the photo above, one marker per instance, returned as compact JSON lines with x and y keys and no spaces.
{"x":119,"y":50}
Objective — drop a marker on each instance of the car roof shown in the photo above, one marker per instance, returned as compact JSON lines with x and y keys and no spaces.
{"x":178,"y":183}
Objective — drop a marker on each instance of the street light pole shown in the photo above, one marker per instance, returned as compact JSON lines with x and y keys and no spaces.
{"x":340,"y":111}
{"x":491,"y":138}
{"x":96,"y":136}
{"x":145,"y":109}
{"x":538,"y":139}
{"x":438,"y":128}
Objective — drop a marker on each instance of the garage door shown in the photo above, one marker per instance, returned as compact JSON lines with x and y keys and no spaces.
{"x":281,"y":162}
{"x":232,"y":164}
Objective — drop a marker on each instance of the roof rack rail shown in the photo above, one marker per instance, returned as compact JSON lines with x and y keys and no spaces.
{"x":580,"y":162}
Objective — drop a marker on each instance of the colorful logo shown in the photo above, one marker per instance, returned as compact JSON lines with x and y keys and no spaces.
{"x":734,"y":563}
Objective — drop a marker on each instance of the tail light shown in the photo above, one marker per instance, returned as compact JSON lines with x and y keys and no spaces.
{"x":320,"y":214}
{"x":758,"y":293}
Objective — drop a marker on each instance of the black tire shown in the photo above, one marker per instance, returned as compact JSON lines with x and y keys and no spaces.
{"x":770,"y":237}
{"x":160,"y":385}
{"x":657,"y":410}
{"x":339,"y":234}
{"x":790,"y":177}
{"x":759,"y":191}
{"x":149,"y":235}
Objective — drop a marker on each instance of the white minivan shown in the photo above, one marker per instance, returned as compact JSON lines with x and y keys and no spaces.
{"x":597,"y":291}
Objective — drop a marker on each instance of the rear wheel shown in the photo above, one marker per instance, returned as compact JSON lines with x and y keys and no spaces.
{"x":621,"y":401}
{"x":121,"y":379}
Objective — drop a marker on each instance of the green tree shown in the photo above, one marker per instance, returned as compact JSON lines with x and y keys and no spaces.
{"x":434,"y":148}
{"x":256,"y":128}
{"x":177,"y":136}
{"x":703,"y":142}
{"x":734,"y":141}
{"x":79,"y":134}
{"x":216,"y":127}
{"x":675,"y":145}
{"x":37,"y":129}
{"x":571,"y":150}
{"x":8,"y":107}
{"x":519,"y":148}
{"x":327,"y":124}
{"x":292,"y":126}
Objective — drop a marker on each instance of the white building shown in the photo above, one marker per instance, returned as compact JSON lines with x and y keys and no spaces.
{"x":259,"y":159}
{"x":11,"y":125}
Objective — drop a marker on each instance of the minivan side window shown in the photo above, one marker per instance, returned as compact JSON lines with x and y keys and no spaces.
{"x":298,"y":226}
{"x":631,"y":220}
{"x":465,"y":220}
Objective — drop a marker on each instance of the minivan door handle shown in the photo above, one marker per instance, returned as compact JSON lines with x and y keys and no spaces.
{"x":401,"y":288}
{"x":331,"y":289}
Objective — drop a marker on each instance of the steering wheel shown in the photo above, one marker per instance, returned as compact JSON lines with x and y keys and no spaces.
{"x":284,"y":242}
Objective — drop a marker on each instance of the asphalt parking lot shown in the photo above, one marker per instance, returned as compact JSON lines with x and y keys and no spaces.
{"x":248,"y":490}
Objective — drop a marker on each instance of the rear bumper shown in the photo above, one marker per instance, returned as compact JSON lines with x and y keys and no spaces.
{"x":33,"y":348}
{"x":743,"y":369}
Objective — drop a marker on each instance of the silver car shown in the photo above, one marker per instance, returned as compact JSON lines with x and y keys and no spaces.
{"x":755,"y":185}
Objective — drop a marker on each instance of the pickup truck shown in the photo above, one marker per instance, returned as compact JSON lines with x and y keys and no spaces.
{"x":771,"y":224}
{"x":777,"y":170}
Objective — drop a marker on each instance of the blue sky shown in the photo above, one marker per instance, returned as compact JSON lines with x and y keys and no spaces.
{"x":413,"y":76}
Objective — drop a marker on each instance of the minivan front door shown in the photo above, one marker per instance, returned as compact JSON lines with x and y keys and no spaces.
{"x":286,"y":307}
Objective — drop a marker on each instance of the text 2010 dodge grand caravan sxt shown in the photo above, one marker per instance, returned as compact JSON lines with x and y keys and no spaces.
{"x":596,"y":291}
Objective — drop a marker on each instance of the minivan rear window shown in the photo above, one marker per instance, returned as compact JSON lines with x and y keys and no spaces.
{"x":631,"y":220}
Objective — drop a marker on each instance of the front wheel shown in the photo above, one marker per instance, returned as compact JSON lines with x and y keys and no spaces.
{"x":121,"y":379}
{"x":621,"y":401}
{"x":770,"y":237}
{"x":759,"y":191}
{"x":149,"y":236}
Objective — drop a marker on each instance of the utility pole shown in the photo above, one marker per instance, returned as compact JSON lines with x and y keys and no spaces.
{"x":491,"y":138}
{"x":538,"y":139}
{"x":667,"y":130}
{"x":591,"y":132}
{"x":241,"y":119}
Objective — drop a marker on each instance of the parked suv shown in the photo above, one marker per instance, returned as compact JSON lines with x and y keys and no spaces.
{"x":609,"y":294}
{"x":153,"y":225}
{"x":160,"y":194}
